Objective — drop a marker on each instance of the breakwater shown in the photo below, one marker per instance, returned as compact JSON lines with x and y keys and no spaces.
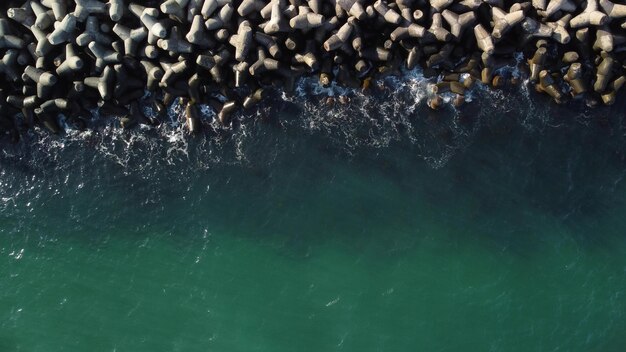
{"x":70,"y":57}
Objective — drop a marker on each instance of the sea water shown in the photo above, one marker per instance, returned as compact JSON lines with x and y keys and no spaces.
{"x":374,"y":225}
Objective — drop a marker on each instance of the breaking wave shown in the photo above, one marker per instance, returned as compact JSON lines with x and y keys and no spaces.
{"x":392,"y":112}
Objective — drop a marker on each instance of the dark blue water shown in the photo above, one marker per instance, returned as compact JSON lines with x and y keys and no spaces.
{"x":374,"y":225}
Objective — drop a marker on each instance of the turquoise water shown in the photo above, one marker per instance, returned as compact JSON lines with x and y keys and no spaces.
{"x":321,"y":230}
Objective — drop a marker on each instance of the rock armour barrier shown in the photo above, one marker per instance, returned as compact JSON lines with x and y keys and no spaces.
{"x":69,"y":57}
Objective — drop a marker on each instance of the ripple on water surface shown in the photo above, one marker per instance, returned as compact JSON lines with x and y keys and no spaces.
{"x":374,"y":225}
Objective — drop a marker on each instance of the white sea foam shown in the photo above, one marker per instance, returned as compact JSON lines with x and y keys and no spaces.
{"x":392,"y":111}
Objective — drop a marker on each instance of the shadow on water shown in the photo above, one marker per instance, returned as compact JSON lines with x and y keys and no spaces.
{"x":496,"y":170}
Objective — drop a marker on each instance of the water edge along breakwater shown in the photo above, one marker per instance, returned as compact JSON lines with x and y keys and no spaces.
{"x":71,"y":57}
